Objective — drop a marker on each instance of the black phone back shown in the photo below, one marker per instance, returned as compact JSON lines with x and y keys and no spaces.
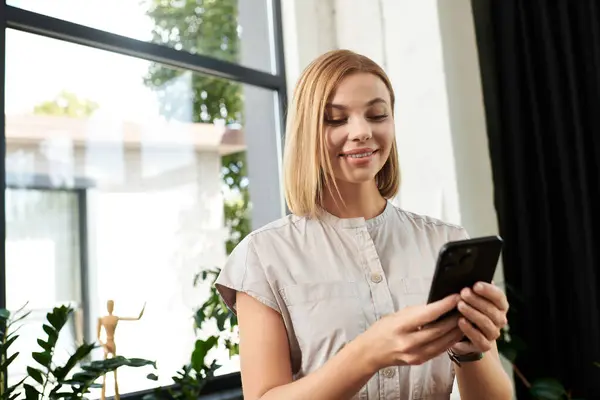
{"x":463,"y":263}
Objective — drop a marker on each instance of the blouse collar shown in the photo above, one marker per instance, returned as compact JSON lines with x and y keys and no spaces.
{"x":357,"y":222}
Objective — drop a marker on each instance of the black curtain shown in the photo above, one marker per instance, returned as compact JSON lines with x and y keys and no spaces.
{"x":540,"y":65}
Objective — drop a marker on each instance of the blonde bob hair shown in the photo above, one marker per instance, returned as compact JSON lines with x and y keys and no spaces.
{"x":306,"y":163}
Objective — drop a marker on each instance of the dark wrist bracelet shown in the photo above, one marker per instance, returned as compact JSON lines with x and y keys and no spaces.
{"x":458,"y":359}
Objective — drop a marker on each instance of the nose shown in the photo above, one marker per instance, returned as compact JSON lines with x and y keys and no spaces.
{"x":359,"y":130}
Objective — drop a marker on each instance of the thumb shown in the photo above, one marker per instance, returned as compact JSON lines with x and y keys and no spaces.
{"x":432,"y":311}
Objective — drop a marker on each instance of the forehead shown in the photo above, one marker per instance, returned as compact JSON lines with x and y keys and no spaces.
{"x":360,"y":88}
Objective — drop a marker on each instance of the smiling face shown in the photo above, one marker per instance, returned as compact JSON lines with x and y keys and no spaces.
{"x":359,"y":128}
{"x":340,"y":133}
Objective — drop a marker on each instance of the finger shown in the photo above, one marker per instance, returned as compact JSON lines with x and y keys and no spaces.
{"x":475,"y":335}
{"x":432,"y":311}
{"x":436,"y":347}
{"x":480,"y":320}
{"x":433,"y":331}
{"x":485,"y":306}
{"x":493,"y":294}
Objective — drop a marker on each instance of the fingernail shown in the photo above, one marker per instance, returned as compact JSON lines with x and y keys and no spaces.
{"x":465,"y":292}
{"x":479,"y":286}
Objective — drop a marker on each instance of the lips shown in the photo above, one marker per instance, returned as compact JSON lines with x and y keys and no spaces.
{"x":359,"y":153}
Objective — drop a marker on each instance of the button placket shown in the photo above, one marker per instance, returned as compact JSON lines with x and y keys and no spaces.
{"x":376,"y":277}
{"x":380,"y":294}
{"x":382,"y":303}
{"x":389,"y":372}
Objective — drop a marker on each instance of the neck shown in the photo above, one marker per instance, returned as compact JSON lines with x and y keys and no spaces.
{"x":360,"y":200}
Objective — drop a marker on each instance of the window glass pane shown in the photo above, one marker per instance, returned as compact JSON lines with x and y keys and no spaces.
{"x":159,"y":156}
{"x":231,"y":30}
{"x":42,"y":263}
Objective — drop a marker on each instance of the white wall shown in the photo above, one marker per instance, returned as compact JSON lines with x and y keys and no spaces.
{"x":308,"y":30}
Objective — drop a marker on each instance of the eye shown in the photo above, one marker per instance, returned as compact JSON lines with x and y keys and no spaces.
{"x":378,"y":118}
{"x":336,"y":121}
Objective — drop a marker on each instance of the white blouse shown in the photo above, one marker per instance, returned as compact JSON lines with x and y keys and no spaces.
{"x":331,"y":278}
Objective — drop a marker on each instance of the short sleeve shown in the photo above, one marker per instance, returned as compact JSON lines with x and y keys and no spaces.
{"x":458,"y":233}
{"x":243,"y":272}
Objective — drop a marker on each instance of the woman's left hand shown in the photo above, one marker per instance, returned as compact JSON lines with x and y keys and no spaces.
{"x":484,"y":311}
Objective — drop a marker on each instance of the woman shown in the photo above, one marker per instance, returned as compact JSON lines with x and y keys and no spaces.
{"x":331,"y":299}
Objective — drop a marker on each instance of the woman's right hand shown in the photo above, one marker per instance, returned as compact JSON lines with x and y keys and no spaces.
{"x":410,"y":337}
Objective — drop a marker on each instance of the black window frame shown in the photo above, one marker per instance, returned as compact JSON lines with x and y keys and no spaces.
{"x":27,"y":21}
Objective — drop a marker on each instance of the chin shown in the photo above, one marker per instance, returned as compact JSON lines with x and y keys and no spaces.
{"x":356,"y":179}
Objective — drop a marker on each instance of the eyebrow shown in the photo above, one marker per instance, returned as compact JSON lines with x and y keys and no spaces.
{"x":368,"y":104}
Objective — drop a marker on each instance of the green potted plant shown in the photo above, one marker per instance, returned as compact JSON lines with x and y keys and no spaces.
{"x":190,"y":380}
{"x":47,"y":380}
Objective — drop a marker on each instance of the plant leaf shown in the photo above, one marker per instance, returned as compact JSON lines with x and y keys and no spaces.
{"x":52,"y":334}
{"x":54,"y":392}
{"x":45,"y":345}
{"x":201,"y":349}
{"x":48,"y":329}
{"x":43,"y":358}
{"x":96,"y":369}
{"x":22,"y":307}
{"x":36,"y":374}
{"x":7,"y":362}
{"x":31,"y":393}
{"x":20,"y":318}
{"x":138,"y":362}
{"x":199,"y":317}
{"x":80,"y":354}
{"x":221,"y":319}
{"x":14,"y":332}
{"x":84,"y":377}
{"x":14,"y":387}
{"x":152,"y":377}
{"x":58,"y":317}
{"x":4,"y":314}
{"x":547,"y":389}
{"x":62,"y":395}
{"x":10,"y":341}
{"x":234,"y":349}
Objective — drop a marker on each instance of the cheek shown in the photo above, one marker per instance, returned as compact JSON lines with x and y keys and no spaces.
{"x":385,"y":136}
{"x":335,"y":139}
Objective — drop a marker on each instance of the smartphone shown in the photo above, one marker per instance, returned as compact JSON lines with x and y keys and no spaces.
{"x":463,"y":263}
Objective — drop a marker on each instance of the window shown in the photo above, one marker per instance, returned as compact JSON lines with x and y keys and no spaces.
{"x":230,"y":30}
{"x":119,"y":171}
{"x":43,"y":264}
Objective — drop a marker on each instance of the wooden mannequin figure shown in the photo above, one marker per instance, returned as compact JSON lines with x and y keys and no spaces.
{"x":109,"y":323}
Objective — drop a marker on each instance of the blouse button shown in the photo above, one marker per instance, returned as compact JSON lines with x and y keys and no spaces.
{"x":389,"y":372}
{"x":376,"y":277}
